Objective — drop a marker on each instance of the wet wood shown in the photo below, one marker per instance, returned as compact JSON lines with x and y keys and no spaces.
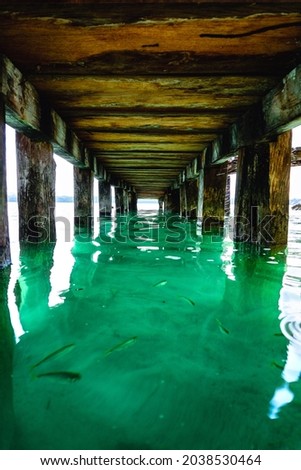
{"x":183,"y":200}
{"x":172,"y":201}
{"x":279,"y":184}
{"x":262,"y":193}
{"x":83,"y":200}
{"x":215,"y":179}
{"x":133,"y":200}
{"x":121,"y":201}
{"x":36,"y":190}
{"x":192,"y":191}
{"x":105,"y":198}
{"x":5,"y":257}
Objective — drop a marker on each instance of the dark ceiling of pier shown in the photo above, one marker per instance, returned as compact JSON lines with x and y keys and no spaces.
{"x":148,"y":85}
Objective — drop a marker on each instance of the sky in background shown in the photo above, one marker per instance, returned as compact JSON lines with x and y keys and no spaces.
{"x":64,"y":169}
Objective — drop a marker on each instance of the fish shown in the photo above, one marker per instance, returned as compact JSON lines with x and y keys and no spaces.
{"x":222,"y":328}
{"x":160,"y":283}
{"x":58,"y":352}
{"x":65,"y":375}
{"x":279,"y":366}
{"x":191,"y":302}
{"x":120,"y":346}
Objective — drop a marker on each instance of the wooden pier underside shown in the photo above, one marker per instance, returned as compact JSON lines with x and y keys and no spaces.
{"x":139,"y":90}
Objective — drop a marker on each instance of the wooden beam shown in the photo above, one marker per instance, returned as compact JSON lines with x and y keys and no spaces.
{"x":26,"y":112}
{"x":279,"y":111}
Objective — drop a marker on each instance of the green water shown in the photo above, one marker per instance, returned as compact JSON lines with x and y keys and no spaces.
{"x":175,"y":343}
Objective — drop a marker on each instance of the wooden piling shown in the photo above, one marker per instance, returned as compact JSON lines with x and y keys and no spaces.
{"x":215,"y":179}
{"x":36,"y":190}
{"x":83,"y":199}
{"x":172,"y":201}
{"x":133,"y":199}
{"x":262,"y":192}
{"x":105,"y":199}
{"x":5,"y":257}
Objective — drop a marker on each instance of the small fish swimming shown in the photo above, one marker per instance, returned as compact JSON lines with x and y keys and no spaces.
{"x":65,"y":375}
{"x":191,"y":302}
{"x":58,"y":352}
{"x":222,"y":328}
{"x":160,"y":283}
{"x":120,"y":346}
{"x":278,"y":366}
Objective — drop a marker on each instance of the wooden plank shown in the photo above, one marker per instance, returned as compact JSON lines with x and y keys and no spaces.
{"x":279,"y":111}
{"x":28,"y":114}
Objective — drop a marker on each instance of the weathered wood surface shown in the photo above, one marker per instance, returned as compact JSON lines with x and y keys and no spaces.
{"x":215,"y":179}
{"x":280,"y":110}
{"x":105,"y":198}
{"x":36,"y":190}
{"x":166,"y":76}
{"x":121,"y":200}
{"x":133,"y":200}
{"x":31,"y":115}
{"x":5,"y":257}
{"x":172,"y":201}
{"x":279,"y":183}
{"x":192,"y":189}
{"x":83,"y":199}
{"x":262,"y":193}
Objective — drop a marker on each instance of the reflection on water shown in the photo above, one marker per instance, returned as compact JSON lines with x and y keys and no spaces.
{"x":147,"y":336}
{"x":290,"y":321}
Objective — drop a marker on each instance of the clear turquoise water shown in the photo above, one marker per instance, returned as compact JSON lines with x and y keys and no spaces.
{"x":175,"y":344}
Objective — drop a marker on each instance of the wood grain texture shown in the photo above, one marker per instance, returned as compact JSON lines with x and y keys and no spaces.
{"x":156,"y":78}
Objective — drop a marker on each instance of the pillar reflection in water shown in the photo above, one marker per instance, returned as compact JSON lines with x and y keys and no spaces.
{"x":290,"y":325}
{"x":33,"y":286}
{"x":7,"y":343}
{"x":290,"y":320}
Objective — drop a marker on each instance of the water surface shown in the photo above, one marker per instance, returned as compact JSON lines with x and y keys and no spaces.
{"x":156,"y":338}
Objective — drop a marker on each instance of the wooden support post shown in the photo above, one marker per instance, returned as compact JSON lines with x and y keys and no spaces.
{"x":5,"y":258}
{"x":105,"y":199}
{"x":83,"y":199}
{"x":119,"y":200}
{"x":279,"y":183}
{"x":200,"y":202}
{"x":126,"y":200}
{"x":215,"y":178}
{"x":36,"y":190}
{"x":133,"y":202}
{"x":227,"y":197}
{"x":172,"y":201}
{"x":192,"y":198}
{"x":161,"y":203}
{"x":262,"y":192}
{"x":183,"y":200}
{"x":7,"y":343}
